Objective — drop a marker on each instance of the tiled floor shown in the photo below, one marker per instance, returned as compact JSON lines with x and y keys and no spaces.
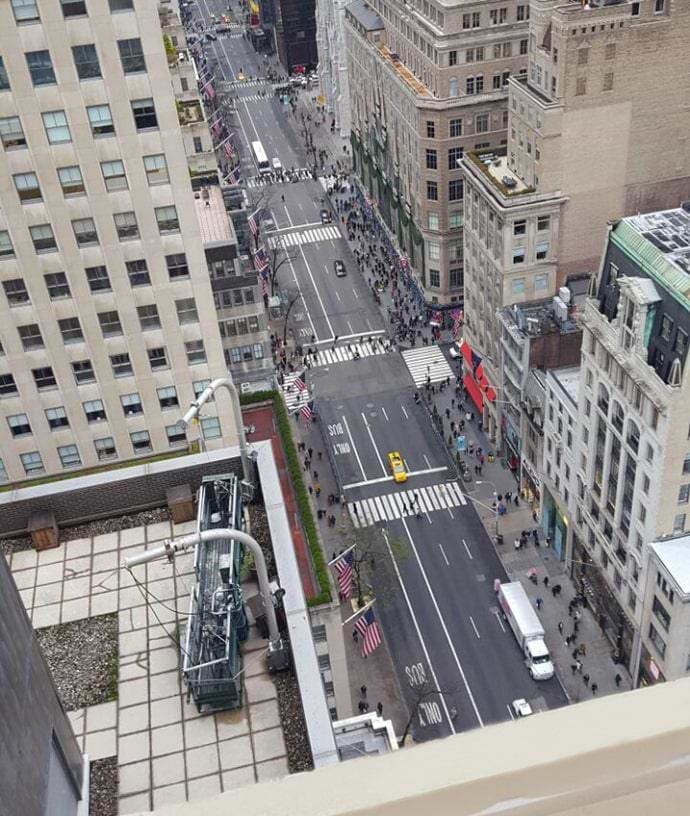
{"x":166,"y":751}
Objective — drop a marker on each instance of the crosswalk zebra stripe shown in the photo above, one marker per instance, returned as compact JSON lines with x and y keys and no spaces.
{"x":404,"y":503}
{"x":427,"y":362}
{"x":374,"y":512}
{"x":432,"y":498}
{"x":392,"y":511}
{"x":367,"y":512}
{"x":379,"y":506}
{"x":456,"y":489}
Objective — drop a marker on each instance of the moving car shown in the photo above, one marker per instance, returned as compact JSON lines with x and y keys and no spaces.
{"x":397,"y":467}
{"x":277,"y":165}
{"x":453,"y":351}
{"x":211,"y":36}
{"x":521,"y":708}
{"x":326,"y":217}
{"x":340,"y":270}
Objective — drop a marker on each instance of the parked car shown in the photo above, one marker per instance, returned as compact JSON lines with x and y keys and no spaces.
{"x":340,"y":270}
{"x":326,"y":217}
{"x":211,"y":36}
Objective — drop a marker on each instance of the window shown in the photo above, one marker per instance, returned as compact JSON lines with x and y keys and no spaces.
{"x":210,"y":427}
{"x":453,"y":87}
{"x":434,"y":278}
{"x":452,"y":58}
{"x":199,"y":387}
{"x":141,"y":441}
{"x":121,"y":365}
{"x":581,"y":87}
{"x":27,"y":187}
{"x":541,"y":283}
{"x":681,"y":342}
{"x":126,"y":226}
{"x":105,"y":447}
{"x":431,"y":159}
{"x":15,"y":292}
{"x":97,"y":278}
{"x":167,"y":397}
{"x":41,"y":68}
{"x":8,"y":387}
{"x":679,"y":523}
{"x":432,"y":221}
{"x":25,"y":11}
{"x":148,"y":317}
{"x":258,"y":351}
{"x":69,"y":456}
{"x":432,"y":190}
{"x":94,"y":410}
{"x":44,"y":378}
{"x":43,"y":238}
{"x":607,"y":84}
{"x":518,"y":255}
{"x":73,"y":8}
{"x":521,"y":12}
{"x":659,"y":6}
{"x":541,"y":251}
{"x":110,"y":324}
{"x":657,"y":640}
{"x":518,"y":286}
{"x":455,"y":190}
{"x":101,"y":120}
{"x":157,"y":358}
{"x":71,"y":181}
{"x":19,"y":425}
{"x":176,"y":435}
{"x":177,"y":266}
{"x":83,"y":372}
{"x":684,"y":494}
{"x":686,"y":463}
{"x":12,"y":133}
{"x":519,"y":227}
{"x":6,"y":248}
{"x":167,"y":220}
{"x":186,"y":311}
{"x":430,"y":129}
{"x":57,"y":418}
{"x":198,"y":145}
{"x":144,"y":113}
{"x":131,"y":404}
{"x":196,"y":353}
{"x":455,"y":128}
{"x":523,"y":47}
{"x":32,"y":463}
{"x":433,"y":250}
{"x":635,"y":11}
{"x":131,"y":56}
{"x":666,"y":327}
{"x":454,"y":156}
{"x":121,"y":5}
{"x":86,"y":61}
{"x":156,"y":169}
{"x":469,"y":85}
{"x":114,"y":175}
{"x":57,"y":285}
{"x":70,"y":329}
{"x":31,"y":337}
{"x":4,"y":79}
{"x":543,"y":222}
{"x":85,"y":232}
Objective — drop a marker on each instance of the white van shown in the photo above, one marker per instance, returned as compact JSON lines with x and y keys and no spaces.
{"x":277,"y":165}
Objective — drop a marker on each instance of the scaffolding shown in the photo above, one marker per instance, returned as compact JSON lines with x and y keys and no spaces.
{"x":217,"y":620}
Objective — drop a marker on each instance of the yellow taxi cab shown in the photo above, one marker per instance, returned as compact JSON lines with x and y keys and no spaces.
{"x":397,"y":466}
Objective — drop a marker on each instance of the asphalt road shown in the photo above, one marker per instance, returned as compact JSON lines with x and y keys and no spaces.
{"x":457,"y":663}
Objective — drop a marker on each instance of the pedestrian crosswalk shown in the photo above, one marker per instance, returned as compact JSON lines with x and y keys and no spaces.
{"x":353,"y":351}
{"x":307,"y":236}
{"x":255,"y":97}
{"x":404,"y":503}
{"x":303,"y":173}
{"x":427,"y":364}
{"x":294,"y":398}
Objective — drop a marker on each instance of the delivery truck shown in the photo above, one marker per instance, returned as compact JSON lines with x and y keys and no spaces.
{"x":527,"y":628}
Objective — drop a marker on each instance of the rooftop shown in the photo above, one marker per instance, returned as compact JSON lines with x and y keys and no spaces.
{"x":365,"y":735}
{"x":494,"y":166}
{"x":540,"y":317}
{"x":215,"y":226}
{"x":404,"y":73}
{"x":674,"y":554}
{"x":366,"y":16}
{"x":569,"y":380}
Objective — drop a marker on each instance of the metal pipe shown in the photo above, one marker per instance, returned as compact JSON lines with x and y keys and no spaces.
{"x":204,"y":397}
{"x":174,"y":545}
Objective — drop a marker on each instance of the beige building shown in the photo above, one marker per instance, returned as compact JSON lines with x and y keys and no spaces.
{"x":588,"y":132}
{"x":427,"y":82}
{"x":108,"y":319}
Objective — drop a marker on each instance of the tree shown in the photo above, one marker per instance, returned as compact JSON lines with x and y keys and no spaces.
{"x":422,"y":707}
{"x":292,"y":298}
{"x":260,"y":199}
{"x":278,"y":257}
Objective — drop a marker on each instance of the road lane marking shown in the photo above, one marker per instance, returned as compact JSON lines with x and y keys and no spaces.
{"x":337,"y":294}
{"x":383,"y":411}
{"x":467,"y":549}
{"x":294,"y":275}
{"x":443,"y":625}
{"x":500,"y":622}
{"x":474,"y":626}
{"x":443,"y":553}
{"x":419,"y":632}
{"x":407,"y":416}
{"x":361,"y":335}
{"x":373,"y":444}
{"x":316,"y":291}
{"x":349,"y":325}
{"x":510,"y":711}
{"x":355,"y":293}
{"x":354,"y":447}
{"x":426,"y":459}
{"x":380,"y":479}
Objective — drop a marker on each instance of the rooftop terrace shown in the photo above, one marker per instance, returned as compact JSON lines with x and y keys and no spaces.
{"x":215,"y":226}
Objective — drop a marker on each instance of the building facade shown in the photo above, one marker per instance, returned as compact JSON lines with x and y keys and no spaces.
{"x":436,"y":86}
{"x":108,"y":320}
{"x":632,"y":454}
{"x":333,"y":76}
{"x":295,"y":33}
{"x":584,"y":130}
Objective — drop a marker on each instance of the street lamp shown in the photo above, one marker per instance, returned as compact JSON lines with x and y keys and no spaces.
{"x":486,"y":481}
{"x":204,"y":397}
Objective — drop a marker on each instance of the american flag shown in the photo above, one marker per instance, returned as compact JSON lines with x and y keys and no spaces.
{"x":253,"y":223}
{"x":369,"y":630}
{"x":235,"y":176}
{"x":261,"y":261}
{"x":227,"y":149}
{"x":457,"y":315}
{"x":209,"y":91}
{"x":217,"y":128}
{"x":307,"y":410}
{"x":344,"y":568}
{"x":264,"y":287}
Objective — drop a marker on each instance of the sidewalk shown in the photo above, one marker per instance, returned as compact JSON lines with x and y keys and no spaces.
{"x":597,"y":661}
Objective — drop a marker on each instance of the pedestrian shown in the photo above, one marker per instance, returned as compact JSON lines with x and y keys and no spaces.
{"x":578,"y":666}
{"x":317,"y":490}
{"x":310,"y":452}
{"x":568,"y":640}
{"x":539,"y":603}
{"x":573,"y":668}
{"x":310,"y":489}
{"x":575,"y":653}
{"x":583,"y":649}
{"x":618,"y":680}
{"x":355,"y":635}
{"x":379,"y":709}
{"x":585,"y":679}
{"x":546,"y":581}
{"x":362,"y":706}
{"x":560,"y":627}
{"x":363,"y":692}
{"x":594,"y":688}
{"x":316,"y":474}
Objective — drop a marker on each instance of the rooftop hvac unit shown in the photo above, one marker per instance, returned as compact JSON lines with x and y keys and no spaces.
{"x":564,"y":294}
{"x":560,"y":310}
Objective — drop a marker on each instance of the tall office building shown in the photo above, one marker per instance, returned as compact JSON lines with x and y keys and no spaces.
{"x":108,"y":325}
{"x":428,"y":81}
{"x":333,"y":77}
{"x":596,"y":131}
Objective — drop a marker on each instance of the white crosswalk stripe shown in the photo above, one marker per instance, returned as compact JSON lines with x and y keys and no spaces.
{"x":261,"y":181}
{"x":404,"y":503}
{"x":308,"y":236}
{"x":294,"y":399}
{"x":343,"y":354}
{"x":427,"y":362}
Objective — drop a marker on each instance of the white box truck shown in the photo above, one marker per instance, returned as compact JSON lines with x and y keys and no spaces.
{"x":527,"y":628}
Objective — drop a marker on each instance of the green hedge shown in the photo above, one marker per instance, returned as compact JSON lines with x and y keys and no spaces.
{"x":303,"y":505}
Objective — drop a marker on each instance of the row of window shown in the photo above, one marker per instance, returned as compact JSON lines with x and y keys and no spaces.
{"x":97,"y":277}
{"x":244,"y":354}
{"x":85,"y":233}
{"x":86,"y":63}
{"x":57,"y":127}
{"x":454,"y":157}
{"x":502,"y":50}
{"x":455,"y":190}
{"x":26,"y":11}
{"x":239,"y":325}
{"x":234,"y":297}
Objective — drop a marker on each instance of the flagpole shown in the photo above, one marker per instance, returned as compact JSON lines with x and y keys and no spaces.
{"x":220,"y":144}
{"x":359,"y":612}
{"x":342,"y":554}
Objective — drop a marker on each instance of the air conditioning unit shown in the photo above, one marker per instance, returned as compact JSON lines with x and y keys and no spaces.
{"x":245,"y":387}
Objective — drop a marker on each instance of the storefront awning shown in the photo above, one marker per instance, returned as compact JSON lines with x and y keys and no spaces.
{"x":474,"y":371}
